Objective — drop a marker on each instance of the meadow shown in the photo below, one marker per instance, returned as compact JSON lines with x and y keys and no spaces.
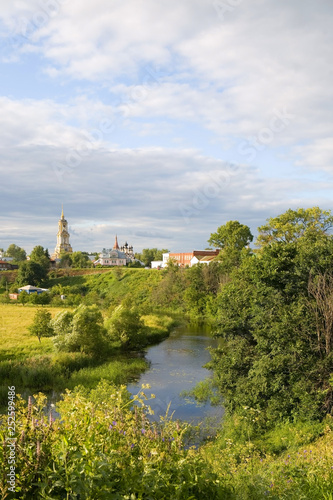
{"x":16,"y":342}
{"x":33,"y":366}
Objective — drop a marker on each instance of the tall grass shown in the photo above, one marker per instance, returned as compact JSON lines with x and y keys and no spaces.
{"x":116,"y":371}
{"x":293,"y":461}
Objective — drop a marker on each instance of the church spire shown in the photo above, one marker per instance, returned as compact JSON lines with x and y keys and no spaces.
{"x":62,"y":211}
{"x":116,"y":246}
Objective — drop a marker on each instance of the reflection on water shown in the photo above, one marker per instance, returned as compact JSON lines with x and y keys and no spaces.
{"x":176,"y":365}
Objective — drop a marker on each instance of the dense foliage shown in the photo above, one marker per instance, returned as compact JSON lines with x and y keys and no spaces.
{"x":16,"y":252}
{"x":103,"y":448}
{"x":31,"y":273}
{"x":275,"y":318}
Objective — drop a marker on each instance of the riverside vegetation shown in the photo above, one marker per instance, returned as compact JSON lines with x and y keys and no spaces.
{"x":273,"y":310}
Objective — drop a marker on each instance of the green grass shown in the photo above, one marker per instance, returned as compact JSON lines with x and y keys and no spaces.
{"x":16,"y":342}
{"x":30,"y":365}
{"x":257,"y":468}
{"x":116,"y":284}
{"x":115,"y":371}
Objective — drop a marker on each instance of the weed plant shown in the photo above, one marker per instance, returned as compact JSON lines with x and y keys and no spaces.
{"x":104,"y":448}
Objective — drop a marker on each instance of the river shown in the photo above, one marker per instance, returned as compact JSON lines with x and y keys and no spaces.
{"x":176,"y":365}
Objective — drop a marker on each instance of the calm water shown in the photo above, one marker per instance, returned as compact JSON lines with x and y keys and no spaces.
{"x":176,"y":364}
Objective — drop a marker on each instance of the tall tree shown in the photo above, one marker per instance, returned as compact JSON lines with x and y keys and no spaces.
{"x":233,"y":239}
{"x":233,"y":235}
{"x":149,"y":254}
{"x":80,"y":260}
{"x":294,"y":224}
{"x":275,"y":316}
{"x":41,"y":256}
{"x":31,"y":273}
{"x":16,"y":252}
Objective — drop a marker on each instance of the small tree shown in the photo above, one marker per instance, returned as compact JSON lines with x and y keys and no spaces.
{"x":41,"y":325}
{"x":126,"y":327}
{"x":23,"y":298}
{"x":81,"y":330}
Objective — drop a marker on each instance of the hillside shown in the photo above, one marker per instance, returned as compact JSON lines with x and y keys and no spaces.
{"x":113,"y":285}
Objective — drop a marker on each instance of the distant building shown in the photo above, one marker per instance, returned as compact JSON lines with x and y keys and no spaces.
{"x":202,"y":260}
{"x":32,"y":289}
{"x":156,"y":264}
{"x":189,"y":258}
{"x":63,"y":245}
{"x":117,"y":256}
{"x":7,"y":266}
{"x":3,"y":257}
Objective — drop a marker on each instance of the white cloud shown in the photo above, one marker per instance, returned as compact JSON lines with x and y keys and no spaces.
{"x":152,"y":72}
{"x":150,"y":196}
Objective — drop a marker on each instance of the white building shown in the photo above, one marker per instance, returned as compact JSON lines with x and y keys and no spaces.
{"x":111,"y":257}
{"x":156,"y":264}
{"x":204,"y":260}
{"x":116,"y":256}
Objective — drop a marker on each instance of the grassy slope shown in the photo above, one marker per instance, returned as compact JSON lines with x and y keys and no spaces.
{"x":116,"y":283}
{"x":299,"y":472}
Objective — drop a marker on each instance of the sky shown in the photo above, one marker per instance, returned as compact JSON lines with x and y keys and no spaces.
{"x":159,"y":121}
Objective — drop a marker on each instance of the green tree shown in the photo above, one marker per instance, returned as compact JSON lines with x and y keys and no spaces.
{"x":149,"y":254}
{"x":3,"y":282}
{"x":65,"y":260}
{"x":23,"y":298}
{"x":125,"y":326}
{"x":41,"y":256}
{"x":80,"y":260}
{"x":277,"y":341}
{"x":40,"y":298}
{"x":294,"y":224}
{"x":31,"y":273}
{"x":16,"y":252}
{"x":41,"y":324}
{"x":233,"y":235}
{"x":232,"y":239}
{"x":81,"y":331}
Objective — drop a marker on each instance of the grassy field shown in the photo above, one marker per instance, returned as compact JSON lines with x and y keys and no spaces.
{"x":16,"y":342}
{"x":33,"y":366}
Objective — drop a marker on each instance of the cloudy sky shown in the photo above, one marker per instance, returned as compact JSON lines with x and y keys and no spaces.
{"x":160,"y":120}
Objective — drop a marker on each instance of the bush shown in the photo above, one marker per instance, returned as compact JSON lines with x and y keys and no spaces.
{"x":81,"y":331}
{"x":101,"y":448}
{"x":126,"y":327}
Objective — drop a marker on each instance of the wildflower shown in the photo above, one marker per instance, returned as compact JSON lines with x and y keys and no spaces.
{"x":143,"y":431}
{"x":132,"y":445}
{"x":114,"y":423}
